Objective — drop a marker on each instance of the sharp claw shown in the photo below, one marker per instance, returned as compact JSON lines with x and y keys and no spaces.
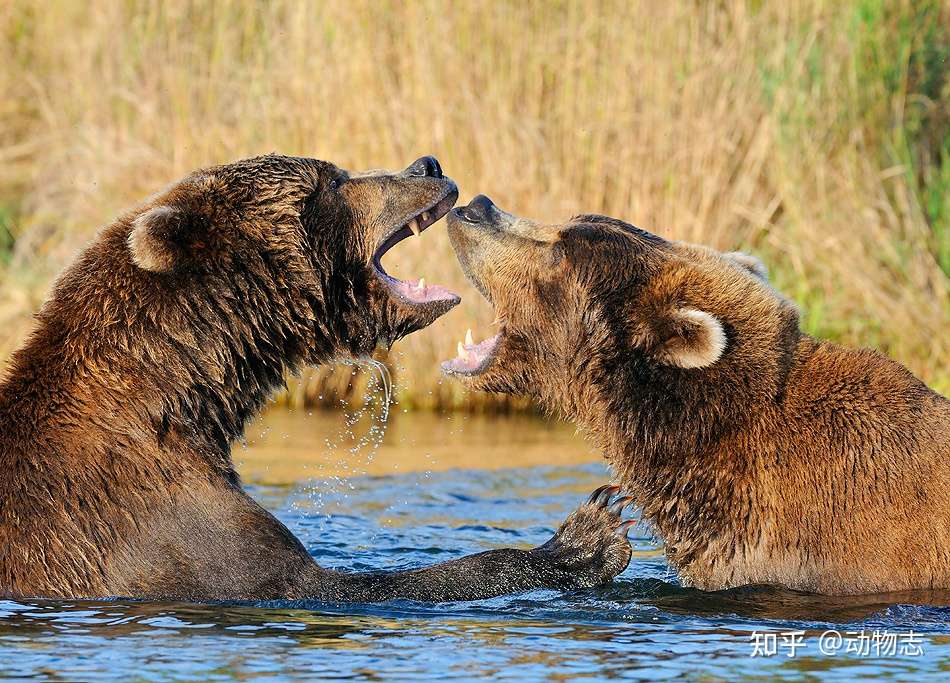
{"x":624,"y":528}
{"x":596,"y":494}
{"x":618,"y":505}
{"x":609,"y":492}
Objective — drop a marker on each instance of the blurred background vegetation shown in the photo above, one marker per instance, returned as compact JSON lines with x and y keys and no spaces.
{"x":815,"y":134}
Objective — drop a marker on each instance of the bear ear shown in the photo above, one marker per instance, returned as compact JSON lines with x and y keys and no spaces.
{"x":156,"y":238}
{"x":689,"y":338}
{"x":750,"y":263}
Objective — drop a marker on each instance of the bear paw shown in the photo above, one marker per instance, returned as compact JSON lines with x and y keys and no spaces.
{"x":591,"y":547}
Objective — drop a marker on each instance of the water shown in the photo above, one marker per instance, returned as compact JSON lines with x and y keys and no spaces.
{"x":439,"y":487}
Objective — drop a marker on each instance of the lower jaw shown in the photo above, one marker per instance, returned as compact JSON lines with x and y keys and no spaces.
{"x":417,"y":291}
{"x":472,"y":359}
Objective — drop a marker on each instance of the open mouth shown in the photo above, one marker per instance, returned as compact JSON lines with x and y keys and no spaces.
{"x":473,"y":359}
{"x":417,"y":290}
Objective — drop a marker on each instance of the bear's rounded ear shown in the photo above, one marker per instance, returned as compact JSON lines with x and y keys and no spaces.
{"x":750,"y":263}
{"x":156,"y":238}
{"x":689,"y":338}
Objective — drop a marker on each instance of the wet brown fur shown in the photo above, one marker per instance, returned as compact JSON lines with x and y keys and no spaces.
{"x":159,"y":343}
{"x":786,"y":460}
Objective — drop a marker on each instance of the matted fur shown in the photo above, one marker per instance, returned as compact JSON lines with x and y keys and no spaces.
{"x":158,"y":344}
{"x":787,"y":460}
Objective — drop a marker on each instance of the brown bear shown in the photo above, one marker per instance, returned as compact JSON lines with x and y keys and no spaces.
{"x":166,"y":335}
{"x":761,"y":454}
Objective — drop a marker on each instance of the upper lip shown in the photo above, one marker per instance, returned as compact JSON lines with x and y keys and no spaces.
{"x":424,"y":217}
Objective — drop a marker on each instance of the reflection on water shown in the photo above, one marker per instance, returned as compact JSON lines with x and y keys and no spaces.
{"x":436,"y":488}
{"x":287,"y":446}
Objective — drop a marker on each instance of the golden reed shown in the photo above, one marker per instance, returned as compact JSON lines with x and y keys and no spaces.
{"x":814,"y":134}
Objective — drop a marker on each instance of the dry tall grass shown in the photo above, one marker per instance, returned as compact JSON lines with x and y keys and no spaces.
{"x":816,"y":134}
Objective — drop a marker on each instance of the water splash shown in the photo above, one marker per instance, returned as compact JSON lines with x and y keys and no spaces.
{"x":354,"y":448}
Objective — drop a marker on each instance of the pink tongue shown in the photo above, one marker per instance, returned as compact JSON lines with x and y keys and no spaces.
{"x":412,"y":291}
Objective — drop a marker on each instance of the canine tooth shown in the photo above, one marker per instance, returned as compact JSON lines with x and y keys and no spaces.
{"x":422,"y":283}
{"x":461,"y":350}
{"x":414,"y":226}
{"x":468,"y":338}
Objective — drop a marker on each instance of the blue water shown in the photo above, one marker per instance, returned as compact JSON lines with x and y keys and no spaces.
{"x":642,"y":627}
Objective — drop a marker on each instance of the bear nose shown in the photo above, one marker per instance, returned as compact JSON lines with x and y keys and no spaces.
{"x":425,"y":167}
{"x":478,"y":210}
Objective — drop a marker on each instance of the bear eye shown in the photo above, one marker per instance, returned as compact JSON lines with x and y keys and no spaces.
{"x":335,"y":183}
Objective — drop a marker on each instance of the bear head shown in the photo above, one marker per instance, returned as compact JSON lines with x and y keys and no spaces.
{"x":294,"y":246}
{"x":596,"y":315}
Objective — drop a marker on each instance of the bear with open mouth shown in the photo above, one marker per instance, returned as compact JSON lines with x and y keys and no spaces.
{"x":167,"y":334}
{"x":762,"y":455}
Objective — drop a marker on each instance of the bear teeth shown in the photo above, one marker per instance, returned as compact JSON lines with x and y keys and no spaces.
{"x":467,"y":350}
{"x":472,"y":358}
{"x":414,"y":226}
{"x":468,"y":355}
{"x":422,"y":283}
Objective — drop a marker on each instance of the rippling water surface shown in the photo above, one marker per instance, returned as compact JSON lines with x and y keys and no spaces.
{"x":440,"y":487}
